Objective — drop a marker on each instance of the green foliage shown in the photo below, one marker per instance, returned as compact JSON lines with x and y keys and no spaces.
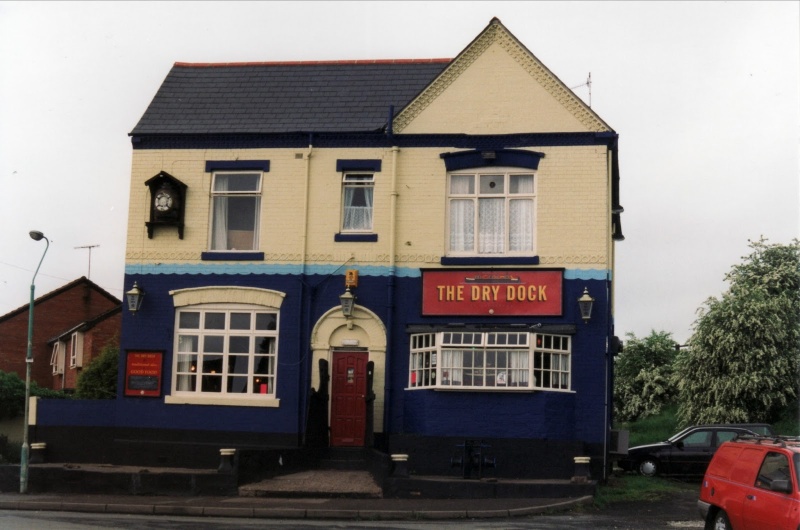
{"x":643,"y":376}
{"x":99,"y":379}
{"x":741,"y":365}
{"x":654,"y":428}
{"x":12,"y":395}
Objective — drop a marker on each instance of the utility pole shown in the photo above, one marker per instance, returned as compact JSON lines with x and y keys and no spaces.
{"x":90,"y":247}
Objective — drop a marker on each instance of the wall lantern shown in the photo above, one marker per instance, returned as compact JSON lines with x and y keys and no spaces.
{"x":585,"y":303}
{"x":135,"y":297}
{"x":348,"y":302}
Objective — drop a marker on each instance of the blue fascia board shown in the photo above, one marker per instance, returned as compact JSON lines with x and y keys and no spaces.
{"x":373,"y":139}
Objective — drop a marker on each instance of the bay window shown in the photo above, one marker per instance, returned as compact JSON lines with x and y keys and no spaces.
{"x":490,"y":361}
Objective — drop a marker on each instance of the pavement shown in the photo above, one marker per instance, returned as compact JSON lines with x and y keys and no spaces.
{"x":307,"y":495}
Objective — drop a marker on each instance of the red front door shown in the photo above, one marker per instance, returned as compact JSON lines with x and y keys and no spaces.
{"x":348,"y":403}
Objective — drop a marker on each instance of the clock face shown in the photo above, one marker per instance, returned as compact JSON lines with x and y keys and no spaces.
{"x":163,"y":201}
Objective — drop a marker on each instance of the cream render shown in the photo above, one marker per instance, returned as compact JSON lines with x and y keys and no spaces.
{"x":573,"y":201}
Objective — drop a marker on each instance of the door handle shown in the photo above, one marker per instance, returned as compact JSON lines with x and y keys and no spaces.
{"x":750,"y":497}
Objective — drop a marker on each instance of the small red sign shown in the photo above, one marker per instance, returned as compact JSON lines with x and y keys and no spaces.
{"x":143,"y":373}
{"x":495,"y":293}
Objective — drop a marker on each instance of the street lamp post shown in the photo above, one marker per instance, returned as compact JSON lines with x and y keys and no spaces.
{"x":23,"y":461}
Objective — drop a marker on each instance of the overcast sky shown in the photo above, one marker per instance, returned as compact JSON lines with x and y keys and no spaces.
{"x":704,"y":95}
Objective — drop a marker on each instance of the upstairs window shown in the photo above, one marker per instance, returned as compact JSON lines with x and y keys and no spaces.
{"x":57,"y":357}
{"x":491,"y":213}
{"x":76,"y":350}
{"x":235,"y":205}
{"x":357,"y":200}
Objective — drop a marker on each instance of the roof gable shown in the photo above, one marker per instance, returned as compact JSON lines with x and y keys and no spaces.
{"x":497,"y":86}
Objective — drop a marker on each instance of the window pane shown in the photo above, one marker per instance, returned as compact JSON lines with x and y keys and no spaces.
{"x":491,"y":226}
{"x":240,"y":320}
{"x":462,"y":185}
{"x":266,"y":321}
{"x":237,"y":182}
{"x":239,"y":345}
{"x":213,"y":344}
{"x":265,"y":344}
{"x":238,"y":364}
{"x":188,"y":343}
{"x":521,"y":184}
{"x":189,"y":320}
{"x":462,"y":225}
{"x":492,"y":184}
{"x":215,"y":321}
{"x":237,"y":385}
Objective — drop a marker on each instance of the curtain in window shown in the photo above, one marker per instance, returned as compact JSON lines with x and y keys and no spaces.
{"x":518,"y":366}
{"x":357,"y":208}
{"x":491,"y":214}
{"x":219,"y":230}
{"x":462,"y":225}
{"x":186,"y":344}
{"x":452,"y":362}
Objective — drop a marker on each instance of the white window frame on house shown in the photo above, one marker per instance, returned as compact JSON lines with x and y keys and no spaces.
{"x":235,"y":200}
{"x":57,"y":357}
{"x":358,"y":199}
{"x":496,"y":361}
{"x":225,"y":354}
{"x":76,"y":350}
{"x":491,"y":212}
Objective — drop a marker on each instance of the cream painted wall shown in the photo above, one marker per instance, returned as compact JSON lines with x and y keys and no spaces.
{"x":572,"y":207}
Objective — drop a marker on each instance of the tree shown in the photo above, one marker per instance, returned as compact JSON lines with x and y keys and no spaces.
{"x":741,"y":364}
{"x":99,"y":379}
{"x":12,"y":395}
{"x":643,"y":381}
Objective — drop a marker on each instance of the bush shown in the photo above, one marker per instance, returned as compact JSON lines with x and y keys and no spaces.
{"x":99,"y":379}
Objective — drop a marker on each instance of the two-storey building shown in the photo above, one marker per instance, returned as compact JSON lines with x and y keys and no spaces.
{"x":386,"y":254}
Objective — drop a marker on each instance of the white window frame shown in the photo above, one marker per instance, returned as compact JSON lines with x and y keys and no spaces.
{"x":490,"y":361}
{"x":466,"y":242}
{"x":199,"y":351}
{"x":219,"y":236}
{"x":57,"y":357}
{"x":76,"y":350}
{"x":352,"y":180}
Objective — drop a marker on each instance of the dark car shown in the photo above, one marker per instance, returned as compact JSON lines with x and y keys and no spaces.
{"x":688,"y":452}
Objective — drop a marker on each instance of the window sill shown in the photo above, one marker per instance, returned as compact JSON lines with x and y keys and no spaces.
{"x":355,"y":238}
{"x":232,"y":256}
{"x":481,"y":260}
{"x":255,"y":401}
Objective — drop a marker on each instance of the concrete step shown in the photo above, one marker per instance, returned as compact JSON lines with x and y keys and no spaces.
{"x":316,"y":483}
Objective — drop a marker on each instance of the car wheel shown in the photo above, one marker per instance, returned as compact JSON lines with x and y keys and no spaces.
{"x":721,"y":521}
{"x":648,"y":467}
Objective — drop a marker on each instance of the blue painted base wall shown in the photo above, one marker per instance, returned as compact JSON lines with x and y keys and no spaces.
{"x":577,"y":419}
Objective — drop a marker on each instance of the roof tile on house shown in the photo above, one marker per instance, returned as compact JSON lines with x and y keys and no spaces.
{"x":265,"y":98}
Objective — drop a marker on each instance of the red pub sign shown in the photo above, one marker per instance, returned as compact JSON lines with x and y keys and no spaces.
{"x":143,"y":373}
{"x":496,"y":293}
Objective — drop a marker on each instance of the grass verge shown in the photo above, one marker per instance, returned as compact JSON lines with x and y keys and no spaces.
{"x":636,"y":488}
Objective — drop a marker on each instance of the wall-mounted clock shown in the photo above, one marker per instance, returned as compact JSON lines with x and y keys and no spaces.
{"x":167,"y":196}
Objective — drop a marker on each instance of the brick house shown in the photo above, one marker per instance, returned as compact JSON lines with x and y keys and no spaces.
{"x":80,"y":306}
{"x":381,"y":254}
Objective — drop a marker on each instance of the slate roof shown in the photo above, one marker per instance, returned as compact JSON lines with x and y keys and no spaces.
{"x":258,"y":98}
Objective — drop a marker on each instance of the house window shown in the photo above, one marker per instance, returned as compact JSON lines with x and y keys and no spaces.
{"x":76,"y":350}
{"x":495,"y":360}
{"x":235,"y":203}
{"x":491,"y":213}
{"x":57,"y":357}
{"x":357,"y":199}
{"x":226,"y":351}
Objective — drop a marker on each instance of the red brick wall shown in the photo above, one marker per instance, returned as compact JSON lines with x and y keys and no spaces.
{"x":51,"y":316}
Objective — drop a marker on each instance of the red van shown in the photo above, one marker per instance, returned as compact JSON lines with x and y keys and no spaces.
{"x":752,"y":484}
